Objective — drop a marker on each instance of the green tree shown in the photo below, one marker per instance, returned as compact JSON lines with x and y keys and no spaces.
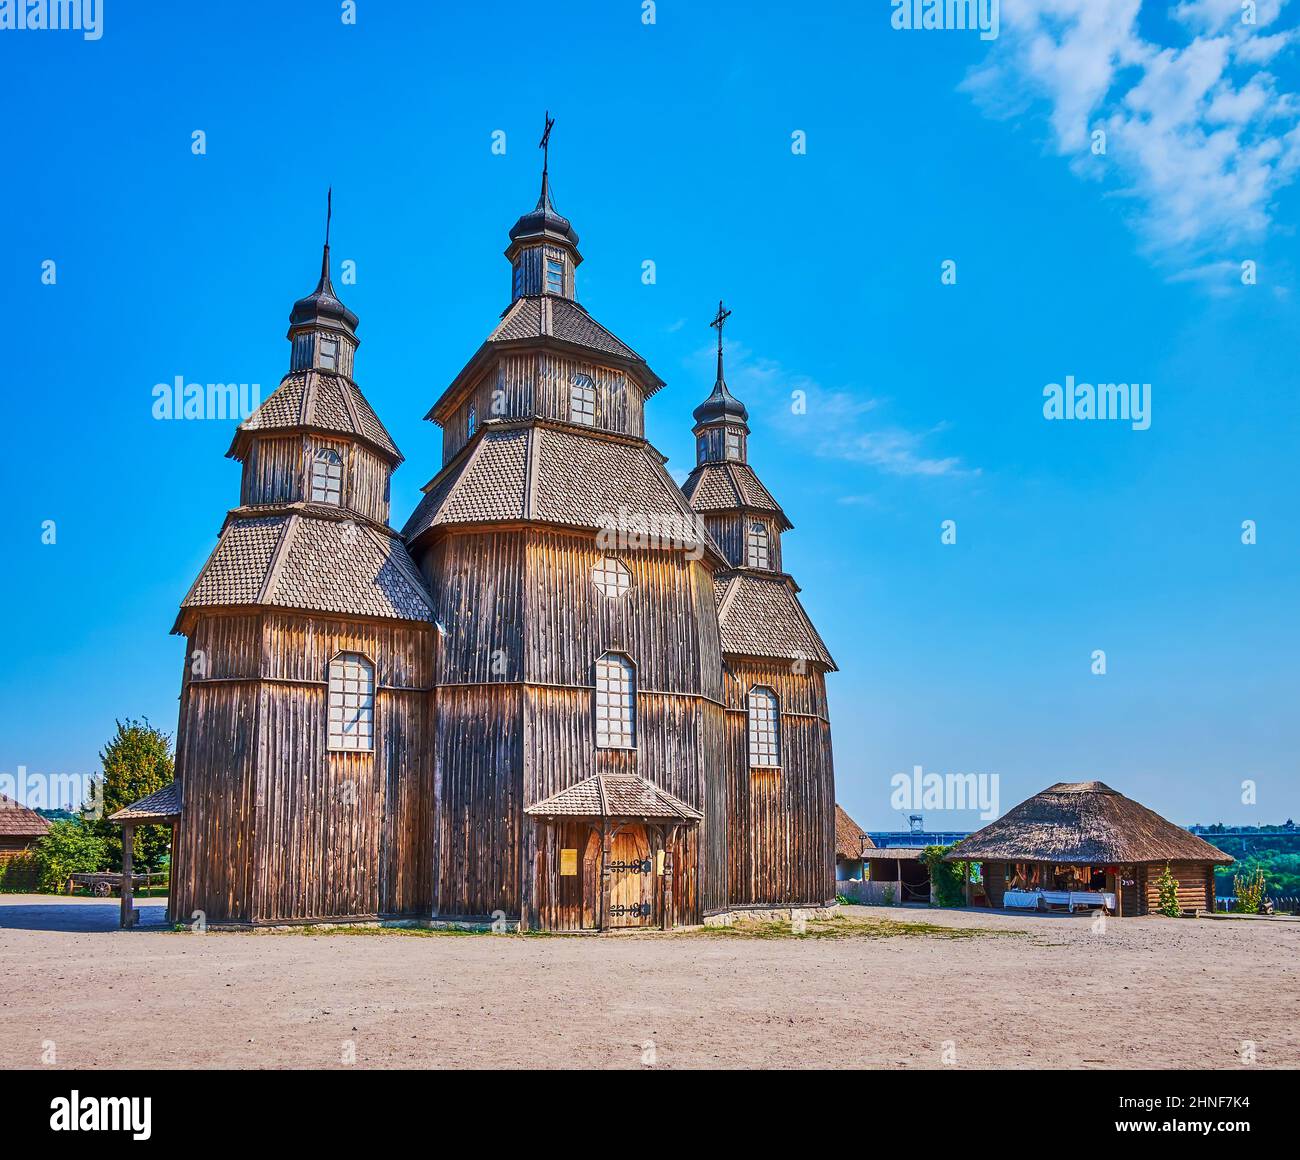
{"x":135,"y":763}
{"x":948,"y":878}
{"x":1168,"y":894}
{"x":68,"y":848}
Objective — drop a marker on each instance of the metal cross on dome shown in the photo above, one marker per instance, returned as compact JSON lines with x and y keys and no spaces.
{"x":719,"y":322}
{"x":545,"y":143}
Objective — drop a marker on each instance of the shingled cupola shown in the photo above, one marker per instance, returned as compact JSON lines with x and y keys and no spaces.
{"x":721,"y":421}
{"x":543,"y":250}
{"x":323,"y":331}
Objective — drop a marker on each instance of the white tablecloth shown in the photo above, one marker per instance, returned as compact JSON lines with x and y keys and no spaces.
{"x":1029,"y":899}
{"x":1021,"y":898}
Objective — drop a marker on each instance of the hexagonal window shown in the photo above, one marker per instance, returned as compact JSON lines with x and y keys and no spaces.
{"x":611,"y":577}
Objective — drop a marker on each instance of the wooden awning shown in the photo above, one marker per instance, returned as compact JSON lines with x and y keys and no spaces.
{"x":615,"y":795}
{"x":161,"y":808}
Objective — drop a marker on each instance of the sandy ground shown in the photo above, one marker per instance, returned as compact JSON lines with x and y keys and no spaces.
{"x":1027,"y":991}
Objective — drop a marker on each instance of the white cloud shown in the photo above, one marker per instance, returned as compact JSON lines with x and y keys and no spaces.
{"x":837,"y":424}
{"x":1199,"y":138}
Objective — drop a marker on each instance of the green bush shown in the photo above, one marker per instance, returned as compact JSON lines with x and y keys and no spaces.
{"x":948,"y":879}
{"x":1168,"y":894}
{"x":1249,"y":889}
{"x":69,"y":848}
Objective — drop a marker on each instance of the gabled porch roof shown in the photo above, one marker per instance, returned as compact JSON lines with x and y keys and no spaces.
{"x":614,"y":795}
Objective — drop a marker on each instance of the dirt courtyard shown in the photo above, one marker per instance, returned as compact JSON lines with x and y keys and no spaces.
{"x":875,"y":988}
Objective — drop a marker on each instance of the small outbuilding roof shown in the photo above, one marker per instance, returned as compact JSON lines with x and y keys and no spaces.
{"x":1083,"y":822}
{"x":615,"y":795}
{"x":17,"y":821}
{"x":163,"y":805}
{"x":850,"y":838}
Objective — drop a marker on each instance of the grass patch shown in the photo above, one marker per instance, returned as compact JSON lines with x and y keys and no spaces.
{"x":841,"y":927}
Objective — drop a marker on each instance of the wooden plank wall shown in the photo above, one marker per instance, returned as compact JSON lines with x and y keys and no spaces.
{"x":1195,"y":885}
{"x":537,"y":384}
{"x":278,"y":471}
{"x":731,"y":531}
{"x":276,"y":828}
{"x":782,"y":822}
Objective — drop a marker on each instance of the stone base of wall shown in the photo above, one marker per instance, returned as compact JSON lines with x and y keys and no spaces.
{"x":771,"y":914}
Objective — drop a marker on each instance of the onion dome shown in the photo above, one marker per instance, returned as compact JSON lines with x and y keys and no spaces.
{"x":321,"y":309}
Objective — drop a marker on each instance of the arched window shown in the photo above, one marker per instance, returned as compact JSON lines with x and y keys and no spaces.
{"x":764,"y":728}
{"x":351,"y":703}
{"x":758,"y":554}
{"x":611,"y":577}
{"x":615,"y":702}
{"x":582,"y":400}
{"x":327,"y":476}
{"x":471,"y":422}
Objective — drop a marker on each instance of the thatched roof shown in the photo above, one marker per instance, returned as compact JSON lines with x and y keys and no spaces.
{"x":850,"y":838}
{"x":1083,"y":822}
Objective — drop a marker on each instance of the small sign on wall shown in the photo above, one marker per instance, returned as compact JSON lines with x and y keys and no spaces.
{"x":568,"y":863}
{"x":661,"y":863}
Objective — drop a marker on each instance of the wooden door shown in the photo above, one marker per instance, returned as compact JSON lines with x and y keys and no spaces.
{"x":632,"y":879}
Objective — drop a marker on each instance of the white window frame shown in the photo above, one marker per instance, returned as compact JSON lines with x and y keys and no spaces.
{"x":611,"y":576}
{"x":334,"y":350}
{"x":763,"y":721}
{"x":615,"y":702}
{"x":350,"y":700}
{"x":758,"y":545}
{"x":326,"y":483}
{"x":582,"y":400}
{"x":733,"y":445}
{"x":553,"y":266}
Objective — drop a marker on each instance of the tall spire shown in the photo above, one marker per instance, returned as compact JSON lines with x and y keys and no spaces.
{"x":721,"y":406}
{"x":720,"y":321}
{"x":325,"y":257}
{"x":543,"y":250}
{"x":322,"y":312}
{"x":544,"y":201}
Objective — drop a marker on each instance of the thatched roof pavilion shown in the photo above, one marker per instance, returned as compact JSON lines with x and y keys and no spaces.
{"x":1081,"y":833}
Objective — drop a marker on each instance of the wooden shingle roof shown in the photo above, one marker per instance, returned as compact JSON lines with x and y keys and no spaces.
{"x":550,"y":474}
{"x":1083,"y":822}
{"x":162,"y":805}
{"x":760,"y":616}
{"x":17,"y":821}
{"x":314,"y":400}
{"x":548,"y":316}
{"x":715,"y":487}
{"x":316,"y":564}
{"x":615,"y":795}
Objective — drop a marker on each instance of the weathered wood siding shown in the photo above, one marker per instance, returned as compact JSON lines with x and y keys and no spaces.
{"x":275,"y":827}
{"x":1195,"y":885}
{"x":781,"y":821}
{"x":278,"y":471}
{"x":537,"y":384}
{"x":731,"y":531}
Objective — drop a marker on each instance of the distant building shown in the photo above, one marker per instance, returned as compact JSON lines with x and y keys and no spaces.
{"x":850,"y":842}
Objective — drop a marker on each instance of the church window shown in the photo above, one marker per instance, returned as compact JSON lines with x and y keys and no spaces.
{"x":611,"y":577}
{"x":615,"y":702}
{"x":327,"y":476}
{"x":554,"y":276}
{"x":471,"y":421}
{"x":764,"y":728}
{"x":351,"y":703}
{"x":733,"y":444}
{"x":582,"y":400}
{"x":759,"y":555}
{"x":329,"y":353}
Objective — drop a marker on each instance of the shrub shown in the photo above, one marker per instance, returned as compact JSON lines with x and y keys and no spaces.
{"x":1249,"y":889}
{"x":69,"y":848}
{"x":947,"y":878}
{"x":1168,"y":894}
{"x":136,"y":762}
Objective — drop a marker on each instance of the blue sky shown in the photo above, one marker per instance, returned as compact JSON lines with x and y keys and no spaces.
{"x":673,"y":143}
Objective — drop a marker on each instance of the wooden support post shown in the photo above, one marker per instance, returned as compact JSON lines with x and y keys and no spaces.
{"x":1119,"y":891}
{"x":965,"y":873}
{"x":670,"y":837}
{"x":128,"y":890}
{"x":898,"y":898}
{"x":602,"y":919}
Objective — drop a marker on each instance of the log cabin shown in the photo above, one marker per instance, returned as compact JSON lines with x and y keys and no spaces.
{"x":1077,"y":839}
{"x":568,"y":695}
{"x":20,"y":830}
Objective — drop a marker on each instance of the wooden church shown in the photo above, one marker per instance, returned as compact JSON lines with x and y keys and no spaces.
{"x":568,"y":694}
